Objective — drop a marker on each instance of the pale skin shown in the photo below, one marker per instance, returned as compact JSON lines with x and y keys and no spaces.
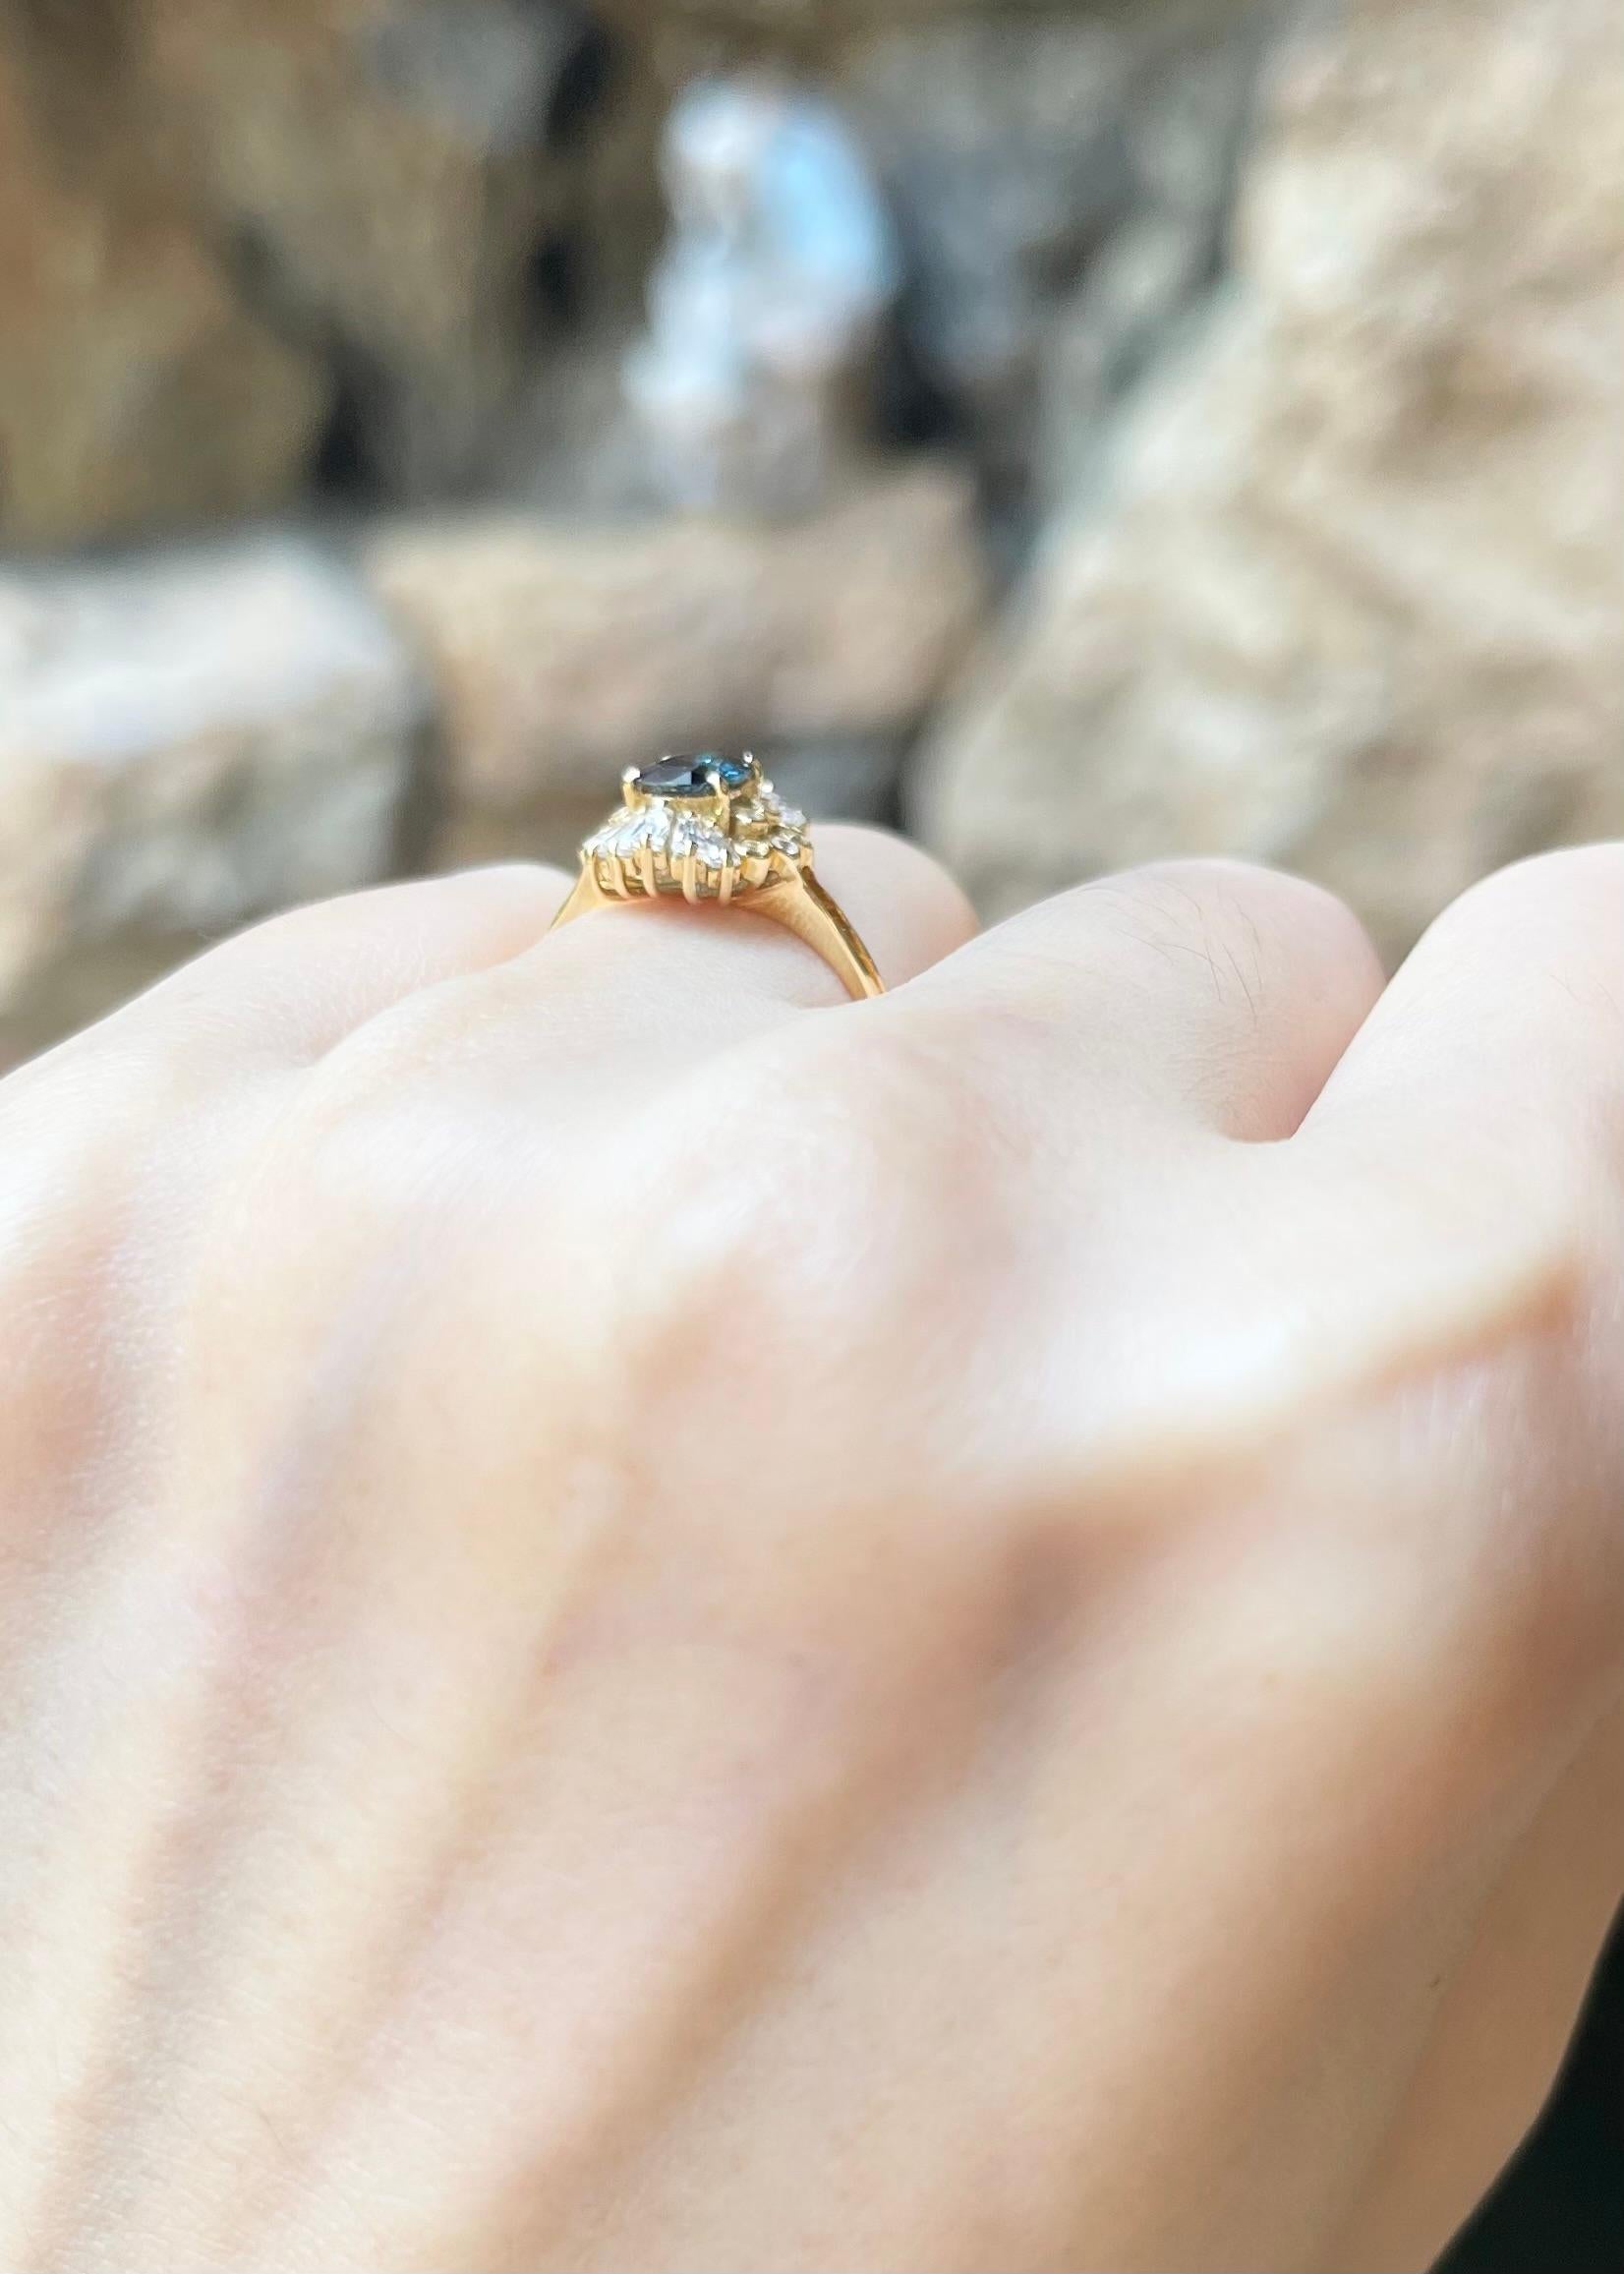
{"x":652,"y":1620}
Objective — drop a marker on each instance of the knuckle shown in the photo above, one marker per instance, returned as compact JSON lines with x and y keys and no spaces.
{"x":132,"y":1074}
{"x":357,"y":1156}
{"x":815,"y":1228}
{"x":1313,"y":920}
{"x":396,"y":1180}
{"x":1206,"y":877}
{"x":100,"y":1141}
{"x":1577,"y":878}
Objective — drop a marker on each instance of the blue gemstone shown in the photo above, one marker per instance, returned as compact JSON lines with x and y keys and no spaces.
{"x":689,"y":777}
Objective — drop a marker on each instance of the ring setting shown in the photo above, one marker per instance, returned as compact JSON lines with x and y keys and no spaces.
{"x":699,"y":826}
{"x":712,"y":828}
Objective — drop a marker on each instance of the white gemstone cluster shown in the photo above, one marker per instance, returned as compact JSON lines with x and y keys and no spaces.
{"x":760,"y":825}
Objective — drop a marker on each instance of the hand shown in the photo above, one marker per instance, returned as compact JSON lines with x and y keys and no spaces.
{"x":650,"y":1620}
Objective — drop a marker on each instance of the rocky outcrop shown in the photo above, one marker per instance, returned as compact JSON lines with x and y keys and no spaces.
{"x":1355,"y":600}
{"x":136,"y":389}
{"x":184,"y":746}
{"x":243,"y":249}
{"x":387,"y":175}
{"x":1060,"y":178}
{"x":358,"y":244}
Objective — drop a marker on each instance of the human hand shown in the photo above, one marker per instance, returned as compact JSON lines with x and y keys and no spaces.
{"x":652,"y":1620}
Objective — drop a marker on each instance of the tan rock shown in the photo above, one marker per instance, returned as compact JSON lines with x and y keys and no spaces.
{"x":1356,"y":601}
{"x":133,"y":389}
{"x":185,"y":743}
{"x":561,"y":652}
{"x":380,"y":165}
{"x":228,"y":232}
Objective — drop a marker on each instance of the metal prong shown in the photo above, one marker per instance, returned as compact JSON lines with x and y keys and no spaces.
{"x":721,"y":801}
{"x":725,"y":878}
{"x":690,"y":875}
{"x":645,"y":868}
{"x":630,"y":794}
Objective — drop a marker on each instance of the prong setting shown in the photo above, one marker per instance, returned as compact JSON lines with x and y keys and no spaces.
{"x":708,"y":828}
{"x":714,"y":829}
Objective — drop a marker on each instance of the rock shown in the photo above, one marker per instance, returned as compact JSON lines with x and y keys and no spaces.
{"x":850,"y":779}
{"x":186,"y":742}
{"x":1356,"y":601}
{"x":561,"y":651}
{"x":388,"y":174}
{"x":1028,"y":152}
{"x":489,"y":76}
{"x":1185,"y":110}
{"x":1107,"y":333}
{"x":1004,"y":177}
{"x":240,"y":246}
{"x":133,"y":388}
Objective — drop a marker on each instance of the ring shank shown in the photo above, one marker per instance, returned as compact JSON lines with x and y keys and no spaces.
{"x":797,"y":902}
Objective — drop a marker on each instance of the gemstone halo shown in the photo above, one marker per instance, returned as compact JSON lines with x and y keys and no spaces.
{"x":713,"y":828}
{"x":706,"y":826}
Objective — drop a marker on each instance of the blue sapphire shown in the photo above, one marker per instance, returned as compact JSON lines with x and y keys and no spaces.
{"x":689,"y":777}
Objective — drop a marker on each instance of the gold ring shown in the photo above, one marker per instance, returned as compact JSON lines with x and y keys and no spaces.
{"x":711,"y":827}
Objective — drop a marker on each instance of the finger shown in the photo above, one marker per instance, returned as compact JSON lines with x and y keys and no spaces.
{"x":110,"y":1142}
{"x":291,"y":987}
{"x":1479,"y":1107}
{"x":1209,"y":990}
{"x":279,"y":996}
{"x":1501,"y":1040}
{"x":1459,"y":1184}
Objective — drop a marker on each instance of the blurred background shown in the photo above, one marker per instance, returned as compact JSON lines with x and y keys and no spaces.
{"x":1072,"y":431}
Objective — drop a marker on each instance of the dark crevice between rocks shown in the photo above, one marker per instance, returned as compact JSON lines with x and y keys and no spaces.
{"x":583,"y":83}
{"x":342,"y":471}
{"x":555,"y":283}
{"x":913,"y":408}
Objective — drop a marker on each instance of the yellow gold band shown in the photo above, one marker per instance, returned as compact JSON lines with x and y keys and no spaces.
{"x":713,"y":829}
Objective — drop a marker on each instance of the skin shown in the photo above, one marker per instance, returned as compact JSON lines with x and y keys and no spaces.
{"x":650,"y":1620}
